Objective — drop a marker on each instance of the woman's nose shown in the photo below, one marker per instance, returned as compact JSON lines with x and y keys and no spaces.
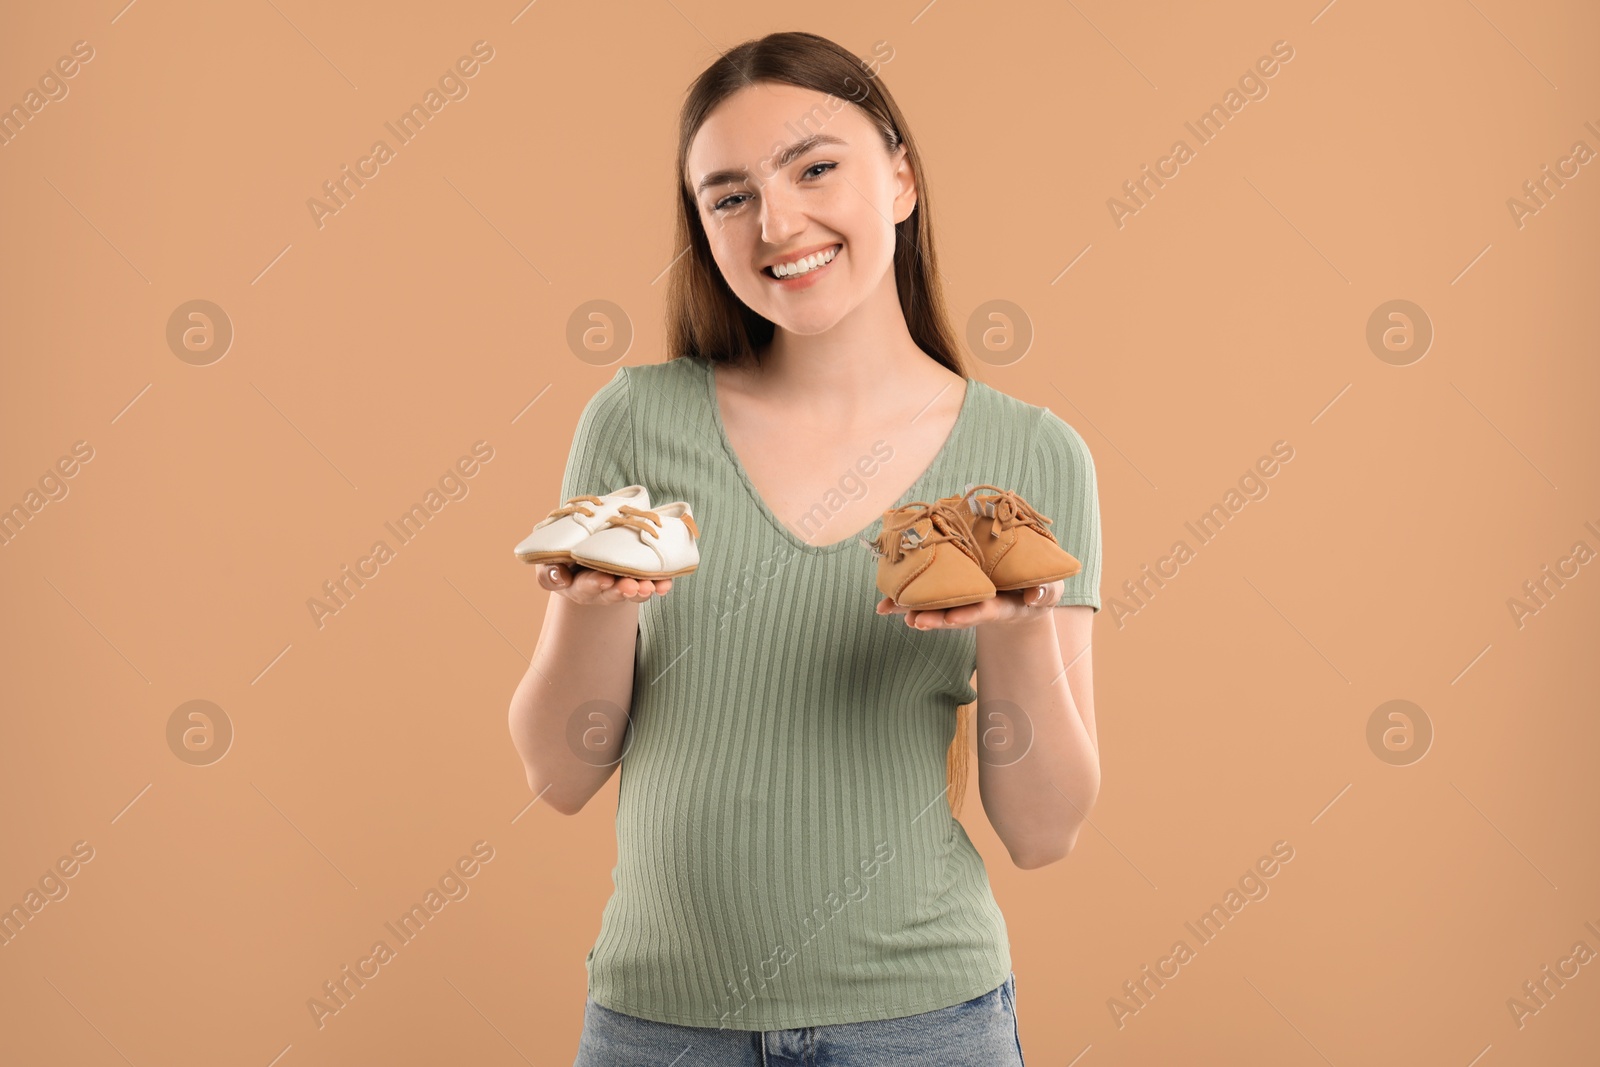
{"x":781,"y":216}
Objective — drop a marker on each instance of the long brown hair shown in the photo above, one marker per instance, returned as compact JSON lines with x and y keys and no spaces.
{"x":704,"y":317}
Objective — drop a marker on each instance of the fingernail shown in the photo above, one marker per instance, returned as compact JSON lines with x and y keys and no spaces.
{"x":555,"y":575}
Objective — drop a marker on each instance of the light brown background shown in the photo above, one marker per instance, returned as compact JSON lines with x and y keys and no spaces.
{"x":431,"y":312}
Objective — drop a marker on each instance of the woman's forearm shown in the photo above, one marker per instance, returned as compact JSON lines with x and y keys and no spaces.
{"x":568,"y":716}
{"x":1038,"y":763}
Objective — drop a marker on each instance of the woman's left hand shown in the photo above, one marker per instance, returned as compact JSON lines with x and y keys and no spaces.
{"x":1020,"y":606}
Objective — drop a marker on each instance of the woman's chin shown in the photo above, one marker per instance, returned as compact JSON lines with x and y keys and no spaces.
{"x":804,"y":325}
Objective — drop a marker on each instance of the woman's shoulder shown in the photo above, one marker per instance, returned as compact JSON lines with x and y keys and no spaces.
{"x":679,"y":369}
{"x":646,"y":387}
{"x":1032,"y":426}
{"x":669,"y":382}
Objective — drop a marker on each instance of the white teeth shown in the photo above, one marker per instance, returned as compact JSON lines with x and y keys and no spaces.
{"x":809,"y":263}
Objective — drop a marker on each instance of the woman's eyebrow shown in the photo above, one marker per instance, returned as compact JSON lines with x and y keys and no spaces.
{"x":732,"y":175}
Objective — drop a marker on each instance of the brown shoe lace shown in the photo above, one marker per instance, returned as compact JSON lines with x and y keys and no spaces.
{"x":1011,"y":510}
{"x":575,"y":505}
{"x":648,"y":521}
{"x":948,"y":525}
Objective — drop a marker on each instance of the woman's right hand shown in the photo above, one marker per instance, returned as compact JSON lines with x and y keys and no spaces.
{"x":584,"y":586}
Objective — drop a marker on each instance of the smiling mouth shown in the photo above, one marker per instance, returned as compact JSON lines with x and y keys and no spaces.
{"x":830,"y":253}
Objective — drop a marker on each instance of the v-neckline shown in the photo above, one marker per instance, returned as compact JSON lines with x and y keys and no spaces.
{"x":911,"y":493}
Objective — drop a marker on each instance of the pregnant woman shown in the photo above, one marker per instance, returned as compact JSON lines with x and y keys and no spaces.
{"x":792,"y":885}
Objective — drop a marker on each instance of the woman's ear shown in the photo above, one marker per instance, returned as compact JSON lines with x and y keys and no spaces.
{"x":905,"y":198}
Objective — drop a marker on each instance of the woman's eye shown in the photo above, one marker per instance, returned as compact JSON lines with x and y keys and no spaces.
{"x":733,"y":201}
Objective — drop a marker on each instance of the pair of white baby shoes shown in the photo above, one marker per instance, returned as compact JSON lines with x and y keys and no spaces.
{"x":619,"y":533}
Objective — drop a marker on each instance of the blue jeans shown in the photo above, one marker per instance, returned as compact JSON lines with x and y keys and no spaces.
{"x":981,"y":1032}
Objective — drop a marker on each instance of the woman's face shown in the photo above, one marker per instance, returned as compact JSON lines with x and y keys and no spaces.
{"x":762,"y":206}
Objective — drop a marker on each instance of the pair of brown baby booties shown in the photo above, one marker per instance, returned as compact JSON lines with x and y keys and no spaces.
{"x":966,"y":548}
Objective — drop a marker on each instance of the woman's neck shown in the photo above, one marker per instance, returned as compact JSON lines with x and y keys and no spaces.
{"x":866,"y":362}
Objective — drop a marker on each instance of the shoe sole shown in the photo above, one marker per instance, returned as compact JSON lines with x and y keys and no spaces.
{"x":545,"y":557}
{"x":628,"y":572}
{"x":1037,"y":581}
{"x":936,"y":605}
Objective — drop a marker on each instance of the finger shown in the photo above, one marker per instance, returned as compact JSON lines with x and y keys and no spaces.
{"x":643,"y":589}
{"x":967,"y":615}
{"x":943,"y":619}
{"x":553,"y":576}
{"x":963,"y":615}
{"x":597,"y":583}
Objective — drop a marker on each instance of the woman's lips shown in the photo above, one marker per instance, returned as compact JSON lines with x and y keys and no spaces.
{"x":801,"y":281}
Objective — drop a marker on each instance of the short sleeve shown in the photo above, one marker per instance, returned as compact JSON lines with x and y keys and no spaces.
{"x":602,"y":459}
{"x":1060,"y":484}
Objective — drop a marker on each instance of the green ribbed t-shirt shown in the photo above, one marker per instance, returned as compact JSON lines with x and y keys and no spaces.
{"x":786,"y":856}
